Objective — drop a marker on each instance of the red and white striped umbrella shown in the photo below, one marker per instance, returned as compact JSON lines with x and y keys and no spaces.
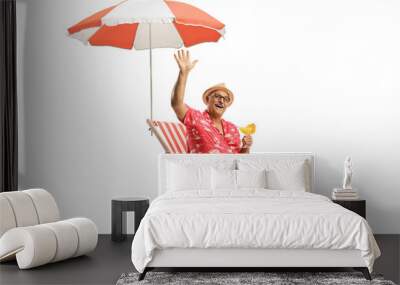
{"x":148,"y":24}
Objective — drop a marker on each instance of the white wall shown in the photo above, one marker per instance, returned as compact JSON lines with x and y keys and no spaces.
{"x":320,"y":76}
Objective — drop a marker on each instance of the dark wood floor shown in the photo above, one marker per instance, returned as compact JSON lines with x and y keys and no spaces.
{"x":111,"y":259}
{"x":102,"y":266}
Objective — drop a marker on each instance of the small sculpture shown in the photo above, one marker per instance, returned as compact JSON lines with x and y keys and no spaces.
{"x":348,"y":173}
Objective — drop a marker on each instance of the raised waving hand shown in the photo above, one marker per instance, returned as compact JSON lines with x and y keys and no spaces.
{"x":184,"y":62}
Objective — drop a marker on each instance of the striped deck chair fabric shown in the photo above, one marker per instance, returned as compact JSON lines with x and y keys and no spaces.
{"x":171,"y":135}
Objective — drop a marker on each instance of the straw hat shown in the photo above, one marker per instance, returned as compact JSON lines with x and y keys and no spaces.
{"x":212,"y":89}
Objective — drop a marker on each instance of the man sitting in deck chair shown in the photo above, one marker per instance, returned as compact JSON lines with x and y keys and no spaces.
{"x":207,"y":132}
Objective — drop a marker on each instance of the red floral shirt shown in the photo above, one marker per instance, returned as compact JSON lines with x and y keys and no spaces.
{"x":204,"y":137}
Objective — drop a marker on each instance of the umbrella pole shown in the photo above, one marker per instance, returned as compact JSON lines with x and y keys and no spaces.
{"x":151,"y":76}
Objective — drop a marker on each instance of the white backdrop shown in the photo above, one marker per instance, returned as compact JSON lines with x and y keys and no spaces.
{"x":319,"y":76}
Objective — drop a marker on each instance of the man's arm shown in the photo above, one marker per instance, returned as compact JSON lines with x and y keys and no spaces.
{"x":247,"y":142}
{"x":178,"y":93}
{"x":245,"y":150}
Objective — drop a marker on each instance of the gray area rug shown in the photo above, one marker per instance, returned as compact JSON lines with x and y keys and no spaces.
{"x":232,"y":278}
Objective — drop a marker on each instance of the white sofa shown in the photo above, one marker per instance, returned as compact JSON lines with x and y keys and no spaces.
{"x":31,"y":230}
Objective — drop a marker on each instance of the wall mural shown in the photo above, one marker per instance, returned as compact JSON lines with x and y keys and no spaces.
{"x":170,"y":24}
